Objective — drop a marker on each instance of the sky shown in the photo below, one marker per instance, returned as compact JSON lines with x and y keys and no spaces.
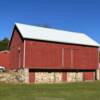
{"x":69,"y":15}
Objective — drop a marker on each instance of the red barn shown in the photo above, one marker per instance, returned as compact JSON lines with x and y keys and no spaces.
{"x":51,"y":55}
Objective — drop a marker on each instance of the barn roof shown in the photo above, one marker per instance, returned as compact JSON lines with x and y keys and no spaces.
{"x":54,"y":35}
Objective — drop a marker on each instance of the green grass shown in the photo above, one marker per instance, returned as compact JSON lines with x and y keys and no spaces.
{"x":68,"y":91}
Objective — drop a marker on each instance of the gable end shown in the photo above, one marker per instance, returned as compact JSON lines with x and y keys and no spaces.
{"x":15,"y":28}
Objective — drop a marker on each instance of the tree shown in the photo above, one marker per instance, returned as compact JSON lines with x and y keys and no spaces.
{"x":4,"y":44}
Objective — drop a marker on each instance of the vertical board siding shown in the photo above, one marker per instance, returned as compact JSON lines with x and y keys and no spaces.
{"x":4,"y":59}
{"x":16,"y":56}
{"x":39,"y":54}
{"x":42,"y":55}
{"x":76,"y":58}
{"x":67,"y":58}
{"x":49,"y":55}
{"x":93,"y":56}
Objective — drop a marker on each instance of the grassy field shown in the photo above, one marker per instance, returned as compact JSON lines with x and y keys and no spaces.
{"x":69,"y":91}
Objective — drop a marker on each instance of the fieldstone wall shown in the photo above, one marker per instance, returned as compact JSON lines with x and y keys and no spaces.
{"x":24,"y":74}
{"x":15,"y":77}
{"x":74,"y":76}
{"x":48,"y":77}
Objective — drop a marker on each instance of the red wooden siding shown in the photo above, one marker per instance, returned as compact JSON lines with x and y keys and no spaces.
{"x":16,"y":50}
{"x":86,"y":58}
{"x":44,"y":56}
{"x":89,"y":75}
{"x":61,"y":56}
{"x":67,"y":58}
{"x":4,"y":59}
{"x":49,"y":55}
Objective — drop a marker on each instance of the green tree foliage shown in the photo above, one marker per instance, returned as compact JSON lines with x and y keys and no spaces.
{"x":4,"y":44}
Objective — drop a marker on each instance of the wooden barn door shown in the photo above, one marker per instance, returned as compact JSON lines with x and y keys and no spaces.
{"x":89,"y":75}
{"x":31,"y":77}
{"x":75,"y":58}
{"x":71,"y":58}
{"x":66,"y":57}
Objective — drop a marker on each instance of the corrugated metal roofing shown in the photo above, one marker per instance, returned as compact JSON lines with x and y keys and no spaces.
{"x":48,"y":34}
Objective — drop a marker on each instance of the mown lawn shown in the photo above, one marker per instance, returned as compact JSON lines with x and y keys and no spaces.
{"x":69,"y":91}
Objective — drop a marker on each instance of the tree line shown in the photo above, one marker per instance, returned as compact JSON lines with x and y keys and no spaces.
{"x":4,"y":44}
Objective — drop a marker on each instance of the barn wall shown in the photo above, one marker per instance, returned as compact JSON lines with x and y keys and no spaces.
{"x":5,"y":59}
{"x":42,"y":56}
{"x":60,"y":56}
{"x":16,"y":51}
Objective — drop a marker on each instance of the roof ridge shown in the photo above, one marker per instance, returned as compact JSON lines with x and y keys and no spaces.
{"x":49,"y":28}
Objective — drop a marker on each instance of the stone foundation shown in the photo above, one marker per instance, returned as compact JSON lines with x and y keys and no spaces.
{"x":48,"y":77}
{"x":74,"y":76}
{"x":15,"y":77}
{"x":22,"y":76}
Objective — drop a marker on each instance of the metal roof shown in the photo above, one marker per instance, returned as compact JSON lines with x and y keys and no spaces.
{"x":48,"y":34}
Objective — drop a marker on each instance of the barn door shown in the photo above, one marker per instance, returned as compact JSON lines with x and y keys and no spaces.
{"x":75,"y":58}
{"x":71,"y":57}
{"x":31,"y":77}
{"x":89,"y":75}
{"x":66,"y":57}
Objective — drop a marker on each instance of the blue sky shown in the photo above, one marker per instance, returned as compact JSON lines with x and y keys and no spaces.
{"x":72,"y":15}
